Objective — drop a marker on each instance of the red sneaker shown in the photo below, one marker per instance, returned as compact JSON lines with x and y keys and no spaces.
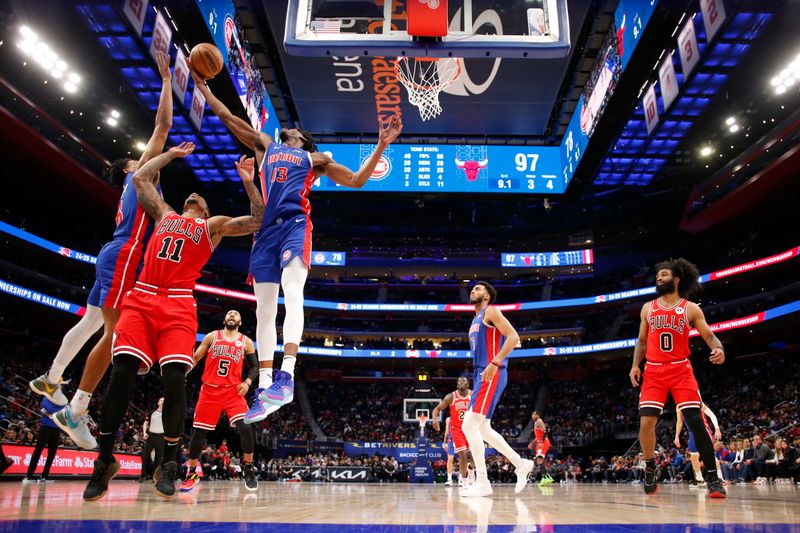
{"x":190,"y":482}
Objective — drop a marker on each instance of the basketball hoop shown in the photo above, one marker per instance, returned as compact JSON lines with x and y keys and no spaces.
{"x":424,"y":78}
{"x":422,"y":418}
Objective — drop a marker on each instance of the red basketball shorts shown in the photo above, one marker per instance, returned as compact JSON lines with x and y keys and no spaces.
{"x":158,"y":326}
{"x":459,"y":439}
{"x":660,"y":379}
{"x":542,"y":446}
{"x":213,"y":401}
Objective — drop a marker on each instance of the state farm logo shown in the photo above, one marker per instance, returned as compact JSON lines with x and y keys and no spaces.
{"x":382,"y":169}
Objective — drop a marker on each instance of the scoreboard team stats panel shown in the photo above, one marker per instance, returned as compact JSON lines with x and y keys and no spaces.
{"x":454,"y":168}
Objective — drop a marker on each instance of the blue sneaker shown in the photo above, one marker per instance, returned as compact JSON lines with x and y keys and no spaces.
{"x":281,"y":391}
{"x":260,"y":409}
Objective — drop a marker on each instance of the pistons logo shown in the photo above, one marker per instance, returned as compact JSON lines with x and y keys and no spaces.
{"x":66,"y":252}
{"x":228,"y":31}
{"x":382,"y":169}
{"x":549,"y":351}
{"x":286,"y":255}
{"x":319,"y":258}
{"x":433,"y":4}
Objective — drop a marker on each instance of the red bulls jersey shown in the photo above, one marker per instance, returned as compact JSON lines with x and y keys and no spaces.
{"x":668,"y":332}
{"x":458,"y":407}
{"x":224,"y":361}
{"x":179,"y":248}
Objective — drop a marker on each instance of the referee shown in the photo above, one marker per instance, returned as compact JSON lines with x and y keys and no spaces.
{"x":49,"y":435}
{"x":153,"y":434}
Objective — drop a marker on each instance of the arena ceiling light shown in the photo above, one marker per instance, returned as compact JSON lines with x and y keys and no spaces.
{"x":787,"y":77}
{"x":140,"y":146}
{"x":706,"y":151}
{"x":43,"y":55}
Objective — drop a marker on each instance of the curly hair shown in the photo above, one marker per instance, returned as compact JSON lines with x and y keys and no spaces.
{"x":687,"y":274}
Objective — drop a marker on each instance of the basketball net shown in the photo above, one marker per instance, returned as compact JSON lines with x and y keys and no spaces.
{"x":422,"y":419}
{"x":424,"y":78}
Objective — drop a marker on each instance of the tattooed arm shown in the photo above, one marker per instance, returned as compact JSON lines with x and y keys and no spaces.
{"x":222,"y":226}
{"x":146,"y":192}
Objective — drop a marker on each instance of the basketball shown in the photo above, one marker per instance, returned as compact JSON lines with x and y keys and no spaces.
{"x":206,"y":60}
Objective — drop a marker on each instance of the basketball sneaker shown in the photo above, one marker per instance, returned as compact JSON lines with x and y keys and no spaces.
{"x":250,"y":479}
{"x":260,"y":409}
{"x":281,"y":391}
{"x":52,"y":391}
{"x":165,"y":487}
{"x":28,"y":480}
{"x":101,"y":475}
{"x":522,"y":475}
{"x":76,"y":427}
{"x":716,"y":490}
{"x":650,"y":480}
{"x":449,"y":482}
{"x":478,"y":489}
{"x":190,"y":481}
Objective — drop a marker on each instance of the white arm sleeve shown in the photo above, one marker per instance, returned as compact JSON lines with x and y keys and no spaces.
{"x":711,"y":416}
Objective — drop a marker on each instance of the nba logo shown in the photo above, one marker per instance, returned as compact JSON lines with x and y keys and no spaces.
{"x":238,"y":344}
{"x":679,"y":310}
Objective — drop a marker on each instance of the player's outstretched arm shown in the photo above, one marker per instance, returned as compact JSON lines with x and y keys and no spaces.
{"x":146,"y":192}
{"x":437,"y":411}
{"x":163,"y":115}
{"x":202,"y":348}
{"x":641,"y":347}
{"x":255,"y":140}
{"x":698,"y":320}
{"x":325,"y":165}
{"x":222,"y":226}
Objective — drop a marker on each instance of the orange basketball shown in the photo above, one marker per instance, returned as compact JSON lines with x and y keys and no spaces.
{"x":206,"y":60}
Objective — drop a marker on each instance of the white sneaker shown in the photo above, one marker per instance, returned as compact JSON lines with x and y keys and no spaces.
{"x":448,"y":482}
{"x":47,"y":388}
{"x":477,"y":490}
{"x":522,"y":475}
{"x":76,"y":427}
{"x":27,"y":480}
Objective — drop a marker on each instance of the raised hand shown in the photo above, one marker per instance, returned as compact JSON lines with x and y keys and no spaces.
{"x":246,"y":167}
{"x":163,"y":66}
{"x":388,"y":133}
{"x":198,"y":79}
{"x":182,"y":150}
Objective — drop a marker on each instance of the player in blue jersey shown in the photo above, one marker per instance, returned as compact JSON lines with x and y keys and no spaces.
{"x":282,"y":248}
{"x":491,"y":338}
{"x":118,"y":264}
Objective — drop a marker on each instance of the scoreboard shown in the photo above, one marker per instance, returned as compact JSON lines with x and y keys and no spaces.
{"x":454,"y":168}
{"x":328,"y":258}
{"x":547,"y":259}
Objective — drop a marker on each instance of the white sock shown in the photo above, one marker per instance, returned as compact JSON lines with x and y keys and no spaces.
{"x":56,"y":371}
{"x":698,"y":476}
{"x":497,"y":442}
{"x":288,"y":364}
{"x":264,"y":378}
{"x":74,"y":340}
{"x":80,"y":402}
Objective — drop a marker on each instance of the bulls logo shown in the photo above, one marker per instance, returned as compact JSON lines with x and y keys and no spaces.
{"x":471,"y":168}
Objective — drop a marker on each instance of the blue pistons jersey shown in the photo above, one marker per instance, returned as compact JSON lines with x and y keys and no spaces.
{"x":120,"y":260}
{"x":286,"y":179}
{"x":484,"y":341}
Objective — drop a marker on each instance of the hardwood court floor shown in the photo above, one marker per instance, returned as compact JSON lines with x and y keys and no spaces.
{"x":309,"y":507}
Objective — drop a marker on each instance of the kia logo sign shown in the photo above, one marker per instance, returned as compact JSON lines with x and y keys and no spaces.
{"x":382,"y":169}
